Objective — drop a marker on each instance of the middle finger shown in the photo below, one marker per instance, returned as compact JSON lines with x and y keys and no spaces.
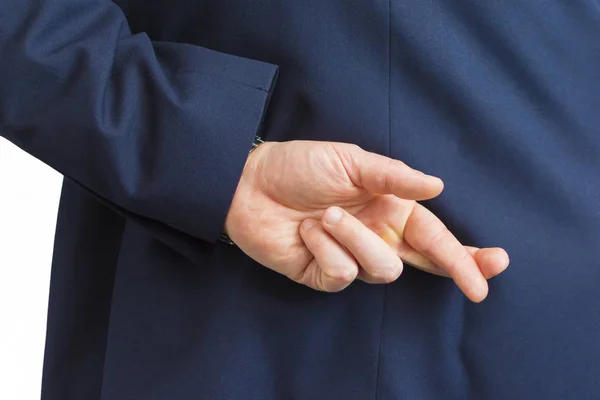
{"x":378,"y":260}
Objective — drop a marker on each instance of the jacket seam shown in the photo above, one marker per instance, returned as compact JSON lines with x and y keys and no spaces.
{"x":379,"y":352}
{"x":385,"y":288}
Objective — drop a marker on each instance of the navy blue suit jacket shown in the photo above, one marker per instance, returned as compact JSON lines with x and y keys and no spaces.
{"x":149,"y":107}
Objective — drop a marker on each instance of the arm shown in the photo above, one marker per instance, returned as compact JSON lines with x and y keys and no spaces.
{"x":160,"y":131}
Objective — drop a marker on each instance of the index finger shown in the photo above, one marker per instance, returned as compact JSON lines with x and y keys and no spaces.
{"x":429,"y":236}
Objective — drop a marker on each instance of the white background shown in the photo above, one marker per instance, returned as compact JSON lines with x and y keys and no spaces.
{"x":29,"y":194}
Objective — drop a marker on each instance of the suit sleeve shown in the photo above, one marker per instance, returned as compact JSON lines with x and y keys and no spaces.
{"x":160,"y":130}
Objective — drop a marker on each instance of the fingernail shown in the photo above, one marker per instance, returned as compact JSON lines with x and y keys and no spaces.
{"x":333,"y":215}
{"x":308,"y":224}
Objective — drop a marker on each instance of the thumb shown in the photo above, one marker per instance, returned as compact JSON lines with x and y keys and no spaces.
{"x":383,"y":175}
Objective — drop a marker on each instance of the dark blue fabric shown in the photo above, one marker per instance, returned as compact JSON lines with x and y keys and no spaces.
{"x":149,"y":109}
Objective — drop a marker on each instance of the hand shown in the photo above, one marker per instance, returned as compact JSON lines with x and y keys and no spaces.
{"x":324,"y":214}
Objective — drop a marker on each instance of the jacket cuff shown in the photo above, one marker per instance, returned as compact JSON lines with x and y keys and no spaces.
{"x":204,"y":217}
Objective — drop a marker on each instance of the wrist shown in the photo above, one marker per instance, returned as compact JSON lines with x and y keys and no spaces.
{"x":224,"y":237}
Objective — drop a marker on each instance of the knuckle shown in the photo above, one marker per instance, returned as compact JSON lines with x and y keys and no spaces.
{"x":380,"y":180}
{"x":387,"y":177}
{"x":394,"y":167}
{"x":344,"y":275}
{"x":389,"y":273}
{"x":353,"y":148}
{"x":455,"y":265}
{"x":387,"y":183}
{"x":394,"y":164}
{"x":318,"y":243}
{"x":435,"y":239}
